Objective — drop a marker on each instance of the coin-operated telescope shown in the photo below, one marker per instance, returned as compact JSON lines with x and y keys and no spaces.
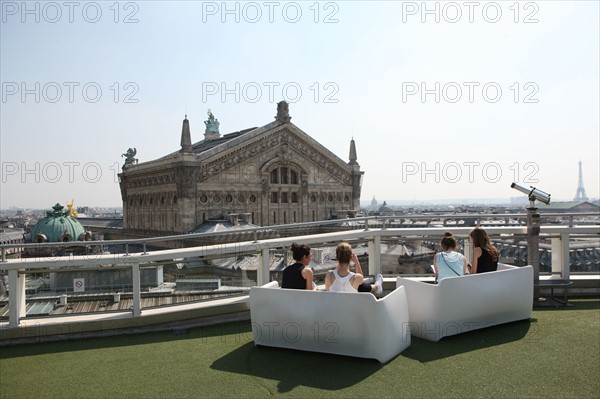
{"x":533,"y":193}
{"x":533,"y":230}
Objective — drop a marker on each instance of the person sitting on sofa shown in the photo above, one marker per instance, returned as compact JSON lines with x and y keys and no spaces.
{"x":448,"y":263}
{"x":299,"y":276}
{"x":485,"y":255}
{"x":341,"y":279}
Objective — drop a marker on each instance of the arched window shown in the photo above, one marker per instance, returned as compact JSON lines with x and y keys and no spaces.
{"x":281,"y":178}
{"x":284,"y":175}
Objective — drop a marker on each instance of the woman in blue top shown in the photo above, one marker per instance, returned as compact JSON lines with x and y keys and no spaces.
{"x":448,"y":263}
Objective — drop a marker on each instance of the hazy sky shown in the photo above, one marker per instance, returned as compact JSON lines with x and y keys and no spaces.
{"x":445,"y":100}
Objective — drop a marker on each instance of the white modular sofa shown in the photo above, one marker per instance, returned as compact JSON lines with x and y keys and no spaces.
{"x":351,"y":324}
{"x":465,"y":303}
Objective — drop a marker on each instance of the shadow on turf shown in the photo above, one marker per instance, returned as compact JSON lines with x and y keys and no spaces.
{"x":579,"y":304}
{"x":238,"y":332}
{"x":294,"y":368}
{"x":330,"y":372}
{"x":427,"y":351}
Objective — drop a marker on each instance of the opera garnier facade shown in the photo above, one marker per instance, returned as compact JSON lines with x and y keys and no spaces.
{"x":274,"y":174}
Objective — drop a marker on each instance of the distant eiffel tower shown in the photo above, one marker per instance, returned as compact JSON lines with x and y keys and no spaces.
{"x":581,"y":195}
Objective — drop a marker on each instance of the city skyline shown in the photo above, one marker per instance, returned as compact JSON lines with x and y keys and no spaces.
{"x":445,"y":100}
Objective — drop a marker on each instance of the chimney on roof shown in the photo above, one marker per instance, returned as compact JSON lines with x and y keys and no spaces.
{"x":246,"y":217}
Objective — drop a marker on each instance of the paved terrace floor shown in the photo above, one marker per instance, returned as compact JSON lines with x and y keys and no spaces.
{"x":556,"y":354}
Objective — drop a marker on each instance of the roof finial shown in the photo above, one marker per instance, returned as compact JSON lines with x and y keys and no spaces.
{"x":352,"y":155}
{"x":186,"y":136}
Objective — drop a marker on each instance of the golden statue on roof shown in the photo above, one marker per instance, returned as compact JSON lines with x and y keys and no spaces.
{"x":70,"y":208}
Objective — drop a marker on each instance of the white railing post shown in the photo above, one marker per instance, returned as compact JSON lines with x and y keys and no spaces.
{"x":468,"y":249}
{"x":265,"y":265}
{"x":375,"y":255}
{"x":137,"y":291}
{"x":560,"y":255}
{"x":16,"y":297}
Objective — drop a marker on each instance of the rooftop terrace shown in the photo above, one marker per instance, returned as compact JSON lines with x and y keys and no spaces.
{"x":205,"y":348}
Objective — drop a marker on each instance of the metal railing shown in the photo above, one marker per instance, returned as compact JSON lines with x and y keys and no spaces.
{"x":352,"y":230}
{"x":256,"y":233}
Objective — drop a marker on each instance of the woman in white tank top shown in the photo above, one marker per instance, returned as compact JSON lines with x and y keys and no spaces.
{"x":342,"y":279}
{"x":343,"y":284}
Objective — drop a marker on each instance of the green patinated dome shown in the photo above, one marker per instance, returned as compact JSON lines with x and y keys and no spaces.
{"x":58,"y":226}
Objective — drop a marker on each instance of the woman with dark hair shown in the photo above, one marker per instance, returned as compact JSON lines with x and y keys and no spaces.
{"x":299,"y":276}
{"x":448,"y":263}
{"x":485,"y":255}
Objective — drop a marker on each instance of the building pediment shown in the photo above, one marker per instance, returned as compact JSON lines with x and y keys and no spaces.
{"x":284,"y":143}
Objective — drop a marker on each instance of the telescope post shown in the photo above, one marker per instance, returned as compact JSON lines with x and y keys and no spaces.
{"x":533,"y":244}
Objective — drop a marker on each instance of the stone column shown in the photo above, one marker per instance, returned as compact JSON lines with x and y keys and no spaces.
{"x":185,"y":179}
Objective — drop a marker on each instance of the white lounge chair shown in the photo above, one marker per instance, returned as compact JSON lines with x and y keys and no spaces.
{"x":351,"y":324}
{"x":465,"y":303}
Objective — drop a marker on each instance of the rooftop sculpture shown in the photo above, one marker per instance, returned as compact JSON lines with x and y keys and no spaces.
{"x":130,"y":157}
{"x":283,"y":112}
{"x":212,"y":124}
{"x":71,"y":209}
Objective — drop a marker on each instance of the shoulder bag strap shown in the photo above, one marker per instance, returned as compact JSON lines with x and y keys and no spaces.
{"x":447,"y":264}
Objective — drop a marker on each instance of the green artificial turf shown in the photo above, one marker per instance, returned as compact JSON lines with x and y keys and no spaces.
{"x":554,"y":355}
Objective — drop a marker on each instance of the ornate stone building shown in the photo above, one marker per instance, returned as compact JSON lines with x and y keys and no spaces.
{"x":274,"y":174}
